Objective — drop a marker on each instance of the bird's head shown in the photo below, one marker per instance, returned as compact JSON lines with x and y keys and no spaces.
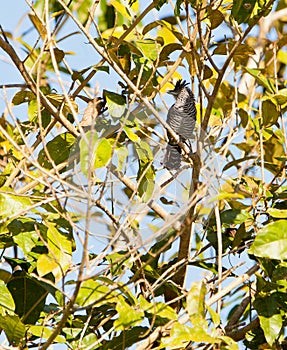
{"x":178,"y":87}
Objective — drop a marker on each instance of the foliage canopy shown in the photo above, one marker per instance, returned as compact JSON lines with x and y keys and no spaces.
{"x":103,"y":248}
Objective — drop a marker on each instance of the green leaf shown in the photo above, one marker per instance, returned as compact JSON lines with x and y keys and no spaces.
{"x":14,"y":329}
{"x":94,"y":292}
{"x":268,"y":309}
{"x":271,"y":241}
{"x":22,"y":97}
{"x":242,"y":10}
{"x":7,"y":304}
{"x":128,"y":316}
{"x":89,"y":341}
{"x":159,"y":312}
{"x":103,"y":153}
{"x":71,"y":333}
{"x":277,"y":213}
{"x":281,"y":97}
{"x":127,"y":338}
{"x":150,"y":48}
{"x":59,"y":257}
{"x":146,"y":172}
{"x":116,"y":104}
{"x":11,"y":204}
{"x":195,"y":302}
{"x":181,"y":335}
{"x":272,"y":327}
{"x":59,"y":101}
{"x":235,"y":216}
{"x":94,"y":153}
{"x":261,"y":79}
{"x":33,"y":114}
{"x":44,"y":333}
{"x":29,"y":296}
{"x":269,"y":113}
{"x":130,"y":132}
{"x":58,"y":150}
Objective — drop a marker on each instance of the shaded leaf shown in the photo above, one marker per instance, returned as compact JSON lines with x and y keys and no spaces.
{"x":29,"y":296}
{"x":242,"y":10}
{"x":269,"y":113}
{"x":58,"y":150}
{"x":126,"y":339}
{"x":22,"y":97}
{"x":235,"y":216}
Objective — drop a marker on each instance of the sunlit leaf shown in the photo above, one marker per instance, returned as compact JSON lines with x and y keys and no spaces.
{"x":128,"y":316}
{"x":94,"y":292}
{"x":45,"y":333}
{"x":103,"y":153}
{"x":12,"y":204}
{"x":121,"y":9}
{"x":94,"y":153}
{"x":271,"y":241}
{"x":150,"y":48}
{"x":59,"y":257}
{"x":261,"y":79}
{"x":277,"y":213}
{"x":130,"y":132}
{"x":7,"y":304}
{"x":116,"y":103}
{"x":14,"y":329}
{"x":38,"y":24}
{"x":181,"y":335}
{"x":281,"y":97}
{"x":195,"y":301}
{"x":272,"y":327}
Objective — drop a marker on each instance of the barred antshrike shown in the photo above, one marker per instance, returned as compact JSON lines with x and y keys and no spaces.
{"x":181,"y":117}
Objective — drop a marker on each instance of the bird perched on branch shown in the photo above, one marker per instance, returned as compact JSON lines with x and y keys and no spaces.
{"x":181,"y":117}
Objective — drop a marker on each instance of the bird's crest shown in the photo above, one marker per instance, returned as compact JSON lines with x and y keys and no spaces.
{"x":180,"y":84}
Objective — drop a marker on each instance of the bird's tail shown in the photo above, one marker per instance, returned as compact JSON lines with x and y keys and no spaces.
{"x":172,"y":157}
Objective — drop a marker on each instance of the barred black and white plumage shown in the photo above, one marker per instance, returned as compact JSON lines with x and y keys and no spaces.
{"x":181,"y":117}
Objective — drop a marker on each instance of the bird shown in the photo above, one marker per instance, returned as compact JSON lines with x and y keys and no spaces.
{"x":181,"y":117}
